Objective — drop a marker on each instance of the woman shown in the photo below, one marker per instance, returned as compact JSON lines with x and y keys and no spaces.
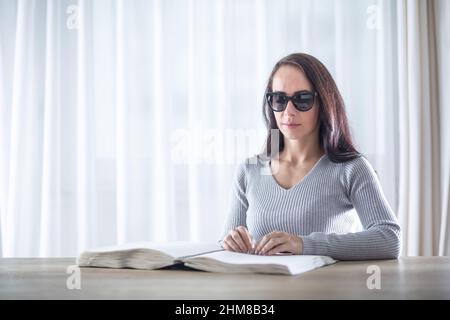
{"x":317,"y":180}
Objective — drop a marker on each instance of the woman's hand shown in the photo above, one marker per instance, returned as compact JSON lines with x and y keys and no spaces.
{"x":238,"y":240}
{"x":279,"y":241}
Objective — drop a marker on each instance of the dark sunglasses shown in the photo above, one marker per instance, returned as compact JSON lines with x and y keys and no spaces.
{"x":302,"y":100}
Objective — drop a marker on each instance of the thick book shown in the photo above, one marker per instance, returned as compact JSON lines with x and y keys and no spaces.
{"x":200,"y":256}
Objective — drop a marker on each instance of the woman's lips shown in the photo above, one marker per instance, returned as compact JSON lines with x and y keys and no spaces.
{"x":290,"y":125}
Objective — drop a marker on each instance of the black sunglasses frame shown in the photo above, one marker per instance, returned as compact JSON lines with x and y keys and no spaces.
{"x":270,"y":95}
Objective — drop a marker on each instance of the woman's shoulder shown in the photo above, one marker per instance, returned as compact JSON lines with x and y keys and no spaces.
{"x":250,"y":166}
{"x":359,"y":166}
{"x":359,"y":162}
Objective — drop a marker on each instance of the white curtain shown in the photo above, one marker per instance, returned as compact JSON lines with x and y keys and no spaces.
{"x":424,"y":66}
{"x":123,"y":120}
{"x":442,"y":25}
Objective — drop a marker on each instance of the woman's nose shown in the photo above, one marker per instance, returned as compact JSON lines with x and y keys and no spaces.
{"x":290,"y":109}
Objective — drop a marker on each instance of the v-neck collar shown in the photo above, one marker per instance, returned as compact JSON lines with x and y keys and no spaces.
{"x":301,"y":180}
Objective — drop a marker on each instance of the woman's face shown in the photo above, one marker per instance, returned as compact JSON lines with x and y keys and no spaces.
{"x":289,"y":79}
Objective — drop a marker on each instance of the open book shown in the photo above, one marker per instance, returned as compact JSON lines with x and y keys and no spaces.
{"x":200,"y":256}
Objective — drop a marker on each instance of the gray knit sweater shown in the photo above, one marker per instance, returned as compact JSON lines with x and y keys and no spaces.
{"x":322,"y":209}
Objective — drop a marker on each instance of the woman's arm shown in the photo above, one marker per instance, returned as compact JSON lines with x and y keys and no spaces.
{"x":381,"y":236}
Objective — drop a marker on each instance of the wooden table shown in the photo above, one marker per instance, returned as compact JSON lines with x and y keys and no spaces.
{"x":406,"y":278}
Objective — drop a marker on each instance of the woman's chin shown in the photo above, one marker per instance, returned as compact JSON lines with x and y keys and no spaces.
{"x":292,"y":136}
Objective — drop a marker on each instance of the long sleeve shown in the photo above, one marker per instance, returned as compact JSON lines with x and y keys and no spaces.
{"x":238,"y":205}
{"x":381,"y":236}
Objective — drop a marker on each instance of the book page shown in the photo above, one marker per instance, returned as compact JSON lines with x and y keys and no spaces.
{"x":243,"y":258}
{"x":226,"y":261}
{"x":175,"y":249}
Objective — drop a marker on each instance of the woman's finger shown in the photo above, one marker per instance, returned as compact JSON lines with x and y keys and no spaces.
{"x":230,"y":242}
{"x":284,"y":247}
{"x":273,"y":242}
{"x":245,"y":236}
{"x":226,"y":246}
{"x":274,"y":234}
{"x":260,"y":244}
{"x":238,"y":240}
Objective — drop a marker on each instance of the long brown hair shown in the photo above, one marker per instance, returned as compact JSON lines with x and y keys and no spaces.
{"x":334,"y":132}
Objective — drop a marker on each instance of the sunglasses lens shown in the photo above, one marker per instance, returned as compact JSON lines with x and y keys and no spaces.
{"x":276,"y":101}
{"x":303,"y":101}
{"x":279,"y":102}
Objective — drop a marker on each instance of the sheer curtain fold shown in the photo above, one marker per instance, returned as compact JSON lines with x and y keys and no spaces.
{"x":121,"y":180}
{"x":85,"y":129}
{"x":24,"y":168}
{"x":162,"y":222}
{"x":3,"y":146}
{"x":441,"y":14}
{"x":421,"y":198}
{"x":50,"y":220}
